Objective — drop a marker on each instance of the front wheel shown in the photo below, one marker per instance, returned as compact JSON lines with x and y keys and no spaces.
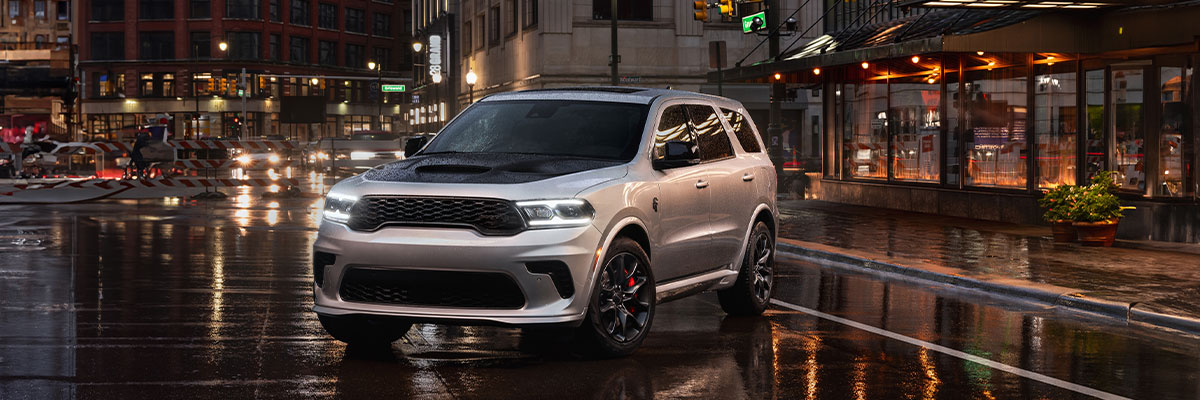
{"x":621,"y":309}
{"x":756,"y":280}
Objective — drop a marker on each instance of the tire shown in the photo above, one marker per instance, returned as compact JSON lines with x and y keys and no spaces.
{"x":621,"y":309}
{"x":756,"y":280}
{"x":362,"y":331}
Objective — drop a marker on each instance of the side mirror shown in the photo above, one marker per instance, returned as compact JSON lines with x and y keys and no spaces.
{"x":414,"y":144}
{"x":676,"y":154}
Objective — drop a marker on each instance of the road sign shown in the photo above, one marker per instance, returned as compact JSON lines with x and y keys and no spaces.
{"x":754,"y":22}
{"x":393,"y":88}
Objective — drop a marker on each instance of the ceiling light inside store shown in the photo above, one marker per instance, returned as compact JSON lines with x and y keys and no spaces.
{"x":866,"y":65}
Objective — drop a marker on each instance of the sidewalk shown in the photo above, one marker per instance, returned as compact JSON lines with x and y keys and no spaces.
{"x":1154,"y":283}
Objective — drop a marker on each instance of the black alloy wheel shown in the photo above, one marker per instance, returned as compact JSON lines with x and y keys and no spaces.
{"x":752,"y":291}
{"x":622,"y":305}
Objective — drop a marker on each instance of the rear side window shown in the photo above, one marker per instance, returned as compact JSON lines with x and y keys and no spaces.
{"x":743,"y":131}
{"x":672,"y":126}
{"x":710,"y":134}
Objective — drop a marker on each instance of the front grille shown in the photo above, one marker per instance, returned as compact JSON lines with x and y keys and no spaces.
{"x":432,"y":288}
{"x":488,"y":216}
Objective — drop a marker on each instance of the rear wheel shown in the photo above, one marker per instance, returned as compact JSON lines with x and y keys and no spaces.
{"x":752,"y":291}
{"x":621,"y":309}
{"x":363,"y":331}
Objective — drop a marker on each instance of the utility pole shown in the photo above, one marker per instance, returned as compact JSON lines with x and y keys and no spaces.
{"x":774,"y":125}
{"x":245,"y":117}
{"x":614,"y":58}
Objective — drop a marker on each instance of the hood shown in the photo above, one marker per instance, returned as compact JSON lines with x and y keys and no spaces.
{"x":491,"y":168}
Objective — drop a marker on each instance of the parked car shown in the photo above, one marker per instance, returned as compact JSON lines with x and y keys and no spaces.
{"x":570,"y":208}
{"x":360,"y":152}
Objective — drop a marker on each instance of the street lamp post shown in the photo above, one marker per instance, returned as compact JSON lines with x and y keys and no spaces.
{"x":416,"y":46}
{"x":471,"y":79}
{"x":378,"y":68}
{"x":196,"y":93}
{"x":437,"y":99}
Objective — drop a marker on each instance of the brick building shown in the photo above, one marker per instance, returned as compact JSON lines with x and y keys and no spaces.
{"x":144,"y":60}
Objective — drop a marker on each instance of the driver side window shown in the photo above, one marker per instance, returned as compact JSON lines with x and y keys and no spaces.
{"x":672,"y":126}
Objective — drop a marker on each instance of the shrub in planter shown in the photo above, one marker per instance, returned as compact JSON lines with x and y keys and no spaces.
{"x":1097,"y":211}
{"x":1059,"y":203}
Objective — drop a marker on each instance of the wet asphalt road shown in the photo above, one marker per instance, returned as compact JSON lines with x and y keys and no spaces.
{"x":173,"y":299}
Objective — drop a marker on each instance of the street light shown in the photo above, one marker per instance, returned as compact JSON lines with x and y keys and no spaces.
{"x":378,"y":68}
{"x":195,"y":92}
{"x":417,"y":46}
{"x":437,"y":78}
{"x":223,"y":46}
{"x":471,"y":79}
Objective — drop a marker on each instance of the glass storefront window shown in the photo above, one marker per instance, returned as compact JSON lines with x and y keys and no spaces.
{"x":953,"y":126}
{"x":1128,"y":127}
{"x":915,"y":121}
{"x":1175,"y":84}
{"x":1097,"y":147}
{"x":864,"y":130}
{"x":1055,"y":121}
{"x":994,"y":91}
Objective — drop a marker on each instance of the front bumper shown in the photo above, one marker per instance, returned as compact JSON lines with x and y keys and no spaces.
{"x":447,"y":249}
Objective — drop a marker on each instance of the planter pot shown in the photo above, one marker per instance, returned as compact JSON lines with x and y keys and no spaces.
{"x":1064,"y":231}
{"x":1101,"y":233}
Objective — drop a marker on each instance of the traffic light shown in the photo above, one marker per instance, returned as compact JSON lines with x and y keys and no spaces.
{"x":727,"y":8}
{"x":701,"y":13}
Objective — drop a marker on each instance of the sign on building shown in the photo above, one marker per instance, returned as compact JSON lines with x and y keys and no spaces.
{"x":435,"y":55}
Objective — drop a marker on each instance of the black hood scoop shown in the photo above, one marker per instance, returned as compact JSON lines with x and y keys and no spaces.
{"x":482,"y":168}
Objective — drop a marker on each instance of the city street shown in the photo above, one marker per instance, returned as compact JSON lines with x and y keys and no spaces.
{"x":172,"y":298}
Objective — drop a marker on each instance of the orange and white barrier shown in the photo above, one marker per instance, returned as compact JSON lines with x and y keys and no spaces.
{"x":97,"y":189}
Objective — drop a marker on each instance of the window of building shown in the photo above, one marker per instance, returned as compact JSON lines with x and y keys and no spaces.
{"x":467,"y":34}
{"x":864,"y":134}
{"x":630,"y":10}
{"x":157,"y":45}
{"x":327,"y":16}
{"x":244,"y":45}
{"x":356,"y":21}
{"x":742,"y":129}
{"x":107,"y":10}
{"x":494,"y":26}
{"x":710,"y":134}
{"x":995,"y":102}
{"x":1055,"y":122}
{"x":298,"y":50}
{"x":39,"y":9}
{"x":1128,"y":126}
{"x":1175,"y":84}
{"x":156,"y":9}
{"x":14,"y":9}
{"x":201,"y":44}
{"x":510,"y":17}
{"x":481,"y":31}
{"x":64,"y":10}
{"x":200,"y":9}
{"x":273,"y":11}
{"x":299,"y":12}
{"x":531,"y":13}
{"x":1097,"y":146}
{"x":383,"y":57}
{"x":243,"y":9}
{"x":326,"y":52}
{"x":382,"y":25}
{"x":273,"y":47}
{"x":108,"y":46}
{"x":355,"y":56}
{"x":109,"y":84}
{"x":914,"y":122}
{"x":147,"y":86}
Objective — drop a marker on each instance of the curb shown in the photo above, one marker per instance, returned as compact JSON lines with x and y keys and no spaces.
{"x":1047,"y":294}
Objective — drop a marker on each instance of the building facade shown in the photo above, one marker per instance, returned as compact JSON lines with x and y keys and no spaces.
{"x":183,"y":60}
{"x":956,"y":111}
{"x":35,"y":89}
{"x":512,"y":45}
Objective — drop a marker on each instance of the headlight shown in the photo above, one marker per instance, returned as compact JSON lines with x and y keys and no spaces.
{"x":244,"y":159}
{"x":361,"y":155}
{"x":556,"y":213}
{"x":337,"y":207}
{"x":323,"y":156}
{"x":274,"y":158}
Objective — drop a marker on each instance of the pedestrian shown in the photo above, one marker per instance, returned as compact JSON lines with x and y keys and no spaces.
{"x":142,"y":140}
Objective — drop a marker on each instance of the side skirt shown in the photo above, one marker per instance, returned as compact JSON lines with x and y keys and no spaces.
{"x":689,"y":285}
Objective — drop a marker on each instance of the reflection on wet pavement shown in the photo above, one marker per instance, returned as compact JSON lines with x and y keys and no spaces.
{"x":181,"y":299}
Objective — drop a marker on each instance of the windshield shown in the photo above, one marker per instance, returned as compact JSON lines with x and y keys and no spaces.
{"x":557,"y":128}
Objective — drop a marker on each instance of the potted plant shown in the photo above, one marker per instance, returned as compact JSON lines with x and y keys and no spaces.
{"x":1059,"y":202}
{"x":1097,"y":211}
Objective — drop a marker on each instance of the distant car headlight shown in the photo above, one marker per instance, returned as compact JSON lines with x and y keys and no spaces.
{"x":323,"y":156}
{"x":244,"y":159}
{"x":556,"y":213}
{"x":274,"y":158}
{"x":361,"y":155}
{"x":337,"y":207}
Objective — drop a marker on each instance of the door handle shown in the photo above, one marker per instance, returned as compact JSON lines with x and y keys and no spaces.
{"x":747,"y":177}
{"x":701,"y":184}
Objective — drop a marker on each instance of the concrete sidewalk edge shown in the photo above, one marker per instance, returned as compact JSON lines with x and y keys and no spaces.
{"x":1042,"y":293}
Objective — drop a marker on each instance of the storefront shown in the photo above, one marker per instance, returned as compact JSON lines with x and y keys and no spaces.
{"x":978,"y":124}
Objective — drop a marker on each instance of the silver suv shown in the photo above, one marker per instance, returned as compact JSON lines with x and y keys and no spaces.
{"x":579,"y":208}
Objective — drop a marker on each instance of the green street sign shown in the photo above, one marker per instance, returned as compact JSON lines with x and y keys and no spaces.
{"x":393,"y":88}
{"x":754,"y":22}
